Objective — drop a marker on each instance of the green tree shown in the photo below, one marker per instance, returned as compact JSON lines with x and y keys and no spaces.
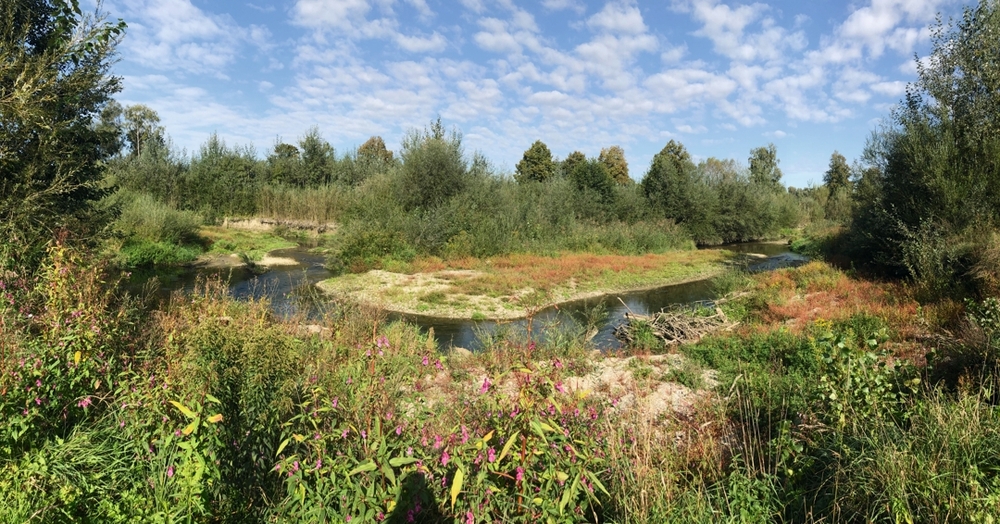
{"x":434,"y":167}
{"x":142,"y":124}
{"x":837,"y":180}
{"x":572,"y":160}
{"x":54,"y":81}
{"x":614,"y":161}
{"x":669,"y":181}
{"x":935,"y":174}
{"x":318,"y":160}
{"x":764,"y":170}
{"x":284,"y":165}
{"x":536,"y":164}
{"x":222,"y":181}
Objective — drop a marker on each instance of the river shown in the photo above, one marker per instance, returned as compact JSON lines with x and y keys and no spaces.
{"x":292,"y":288}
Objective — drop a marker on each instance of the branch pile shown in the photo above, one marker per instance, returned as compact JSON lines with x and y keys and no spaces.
{"x":674,"y":325}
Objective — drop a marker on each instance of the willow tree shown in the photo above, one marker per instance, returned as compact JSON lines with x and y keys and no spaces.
{"x":54,"y":81}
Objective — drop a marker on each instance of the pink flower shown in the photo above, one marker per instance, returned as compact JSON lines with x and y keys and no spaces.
{"x":486,"y":385}
{"x":469,"y":518}
{"x":438,"y":365}
{"x":424,"y":361}
{"x":399,"y":430}
{"x":38,"y":382}
{"x":445,"y":458}
{"x":437,"y":441}
{"x":491,"y":455}
{"x":347,"y":519}
{"x":465,"y":434}
{"x":319,"y":463}
{"x":334,"y":402}
{"x":170,"y":471}
{"x":520,"y":475}
{"x":364,"y":434}
{"x":559,"y":387}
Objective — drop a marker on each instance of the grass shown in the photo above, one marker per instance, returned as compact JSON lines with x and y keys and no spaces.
{"x":513,"y":285}
{"x":213,"y":410}
{"x":255,"y":244}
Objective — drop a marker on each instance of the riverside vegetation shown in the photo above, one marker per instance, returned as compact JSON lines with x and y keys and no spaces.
{"x":854,"y":395}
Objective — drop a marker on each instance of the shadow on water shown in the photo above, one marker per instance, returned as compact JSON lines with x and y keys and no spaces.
{"x":291,"y":290}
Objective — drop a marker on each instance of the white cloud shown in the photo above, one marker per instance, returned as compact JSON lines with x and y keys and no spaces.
{"x":617,"y":17}
{"x":416,"y":44}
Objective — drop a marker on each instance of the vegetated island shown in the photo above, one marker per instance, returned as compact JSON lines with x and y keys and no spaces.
{"x":513,"y":286}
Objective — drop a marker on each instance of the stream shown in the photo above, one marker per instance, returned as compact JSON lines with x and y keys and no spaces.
{"x":292,"y":288}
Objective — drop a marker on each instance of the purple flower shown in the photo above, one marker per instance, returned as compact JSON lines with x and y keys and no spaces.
{"x":445,"y":457}
{"x":559,"y":387}
{"x":520,"y":475}
{"x":486,"y":385}
{"x":425,"y":362}
{"x":399,"y":430}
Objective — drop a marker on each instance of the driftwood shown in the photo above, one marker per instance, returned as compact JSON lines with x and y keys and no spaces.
{"x":674,"y":325}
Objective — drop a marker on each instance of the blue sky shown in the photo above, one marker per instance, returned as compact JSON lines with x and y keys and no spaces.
{"x":721,"y":77}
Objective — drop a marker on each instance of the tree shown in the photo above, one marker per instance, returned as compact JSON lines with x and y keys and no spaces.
{"x":318,"y":159}
{"x":284,"y":164}
{"x":764,"y":169}
{"x":434,"y":167}
{"x":54,"y":82}
{"x":374,"y":151}
{"x":935,"y":168}
{"x":592,"y":180}
{"x":838,"y":176}
{"x":838,"y":183}
{"x":669,"y":181}
{"x":142,"y":124}
{"x":536,"y":164}
{"x":572,"y":160}
{"x":613,"y":159}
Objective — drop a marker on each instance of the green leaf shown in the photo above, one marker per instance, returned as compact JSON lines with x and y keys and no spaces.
{"x":387,"y":471}
{"x":364,"y":468}
{"x":212,"y":399}
{"x":507,"y":446}
{"x":401,"y":461}
{"x":456,"y":486}
{"x":281,"y":447}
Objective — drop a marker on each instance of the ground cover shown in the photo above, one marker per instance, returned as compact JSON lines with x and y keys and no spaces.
{"x":254,"y":244}
{"x":515,"y":285}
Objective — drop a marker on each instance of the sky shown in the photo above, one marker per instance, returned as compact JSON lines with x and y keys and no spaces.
{"x":721,"y":77}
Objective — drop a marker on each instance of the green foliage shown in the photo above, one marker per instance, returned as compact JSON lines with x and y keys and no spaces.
{"x":594,"y":183}
{"x":536,"y":164}
{"x":434,"y":168}
{"x":318,"y":160}
{"x":54,"y":76}
{"x":764,"y":170}
{"x":933,"y":172}
{"x":222,"y":181}
{"x":614,"y":161}
{"x":572,"y":160}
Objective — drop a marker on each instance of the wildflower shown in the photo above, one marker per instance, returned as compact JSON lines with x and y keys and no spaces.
{"x":382,"y":342}
{"x":560,"y":388}
{"x":344,"y":433}
{"x":557,"y":364}
{"x":445,"y":457}
{"x":348,"y":519}
{"x":364,"y":434}
{"x":424,"y":361}
{"x":334,"y":402}
{"x":38,"y":382}
{"x":388,"y":415}
{"x":399,"y":430}
{"x":465,"y":434}
{"x":469,"y":519}
{"x":122,"y":424}
{"x":177,"y":433}
{"x":438,"y":365}
{"x":319,"y":463}
{"x":520,"y":475}
{"x":409,"y":451}
{"x":38,"y":401}
{"x":437,"y":441}
{"x":486,"y":385}
{"x":491,"y":455}
{"x":170,"y":472}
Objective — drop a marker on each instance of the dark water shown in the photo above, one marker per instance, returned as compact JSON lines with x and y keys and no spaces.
{"x":290,"y":288}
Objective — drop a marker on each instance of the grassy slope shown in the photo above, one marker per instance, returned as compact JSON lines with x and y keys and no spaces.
{"x":510,"y":286}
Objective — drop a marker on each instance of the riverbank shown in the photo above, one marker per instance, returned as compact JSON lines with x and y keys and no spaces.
{"x":515,"y":286}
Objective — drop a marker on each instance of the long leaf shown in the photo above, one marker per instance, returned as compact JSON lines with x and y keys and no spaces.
{"x":456,"y":486}
{"x":187,"y":412}
{"x":364,"y":468}
{"x":401,"y":461}
{"x":507,"y":446}
{"x":281,"y":447}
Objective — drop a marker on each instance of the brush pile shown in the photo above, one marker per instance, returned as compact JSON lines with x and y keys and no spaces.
{"x":674,"y":325}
